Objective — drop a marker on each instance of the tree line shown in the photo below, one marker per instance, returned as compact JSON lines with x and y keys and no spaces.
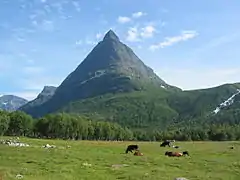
{"x":76,"y":127}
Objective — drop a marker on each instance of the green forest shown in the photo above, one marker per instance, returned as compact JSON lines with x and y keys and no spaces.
{"x":77,"y":127}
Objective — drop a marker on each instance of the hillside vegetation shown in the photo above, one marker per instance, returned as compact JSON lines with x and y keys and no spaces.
{"x":159,"y":109}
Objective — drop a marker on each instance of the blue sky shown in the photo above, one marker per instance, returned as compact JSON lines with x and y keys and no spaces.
{"x":190,"y":44}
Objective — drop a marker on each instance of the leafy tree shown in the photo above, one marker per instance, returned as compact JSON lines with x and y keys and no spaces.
{"x":20,"y":124}
{"x":4,"y":122}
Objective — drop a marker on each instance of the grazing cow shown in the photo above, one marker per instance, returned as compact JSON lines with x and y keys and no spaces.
{"x":173,"y":154}
{"x":138,"y":153}
{"x":165,"y":143}
{"x":176,"y":147}
{"x":185,"y":153}
{"x":131,"y":148}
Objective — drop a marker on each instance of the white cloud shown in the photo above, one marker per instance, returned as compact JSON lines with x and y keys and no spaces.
{"x":138,"y":14}
{"x":89,"y":42}
{"x":135,"y":34}
{"x":98,"y":35}
{"x":123,"y":19}
{"x":169,"y":41}
{"x":93,"y":40}
{"x":148,"y":31}
{"x":199,"y":78}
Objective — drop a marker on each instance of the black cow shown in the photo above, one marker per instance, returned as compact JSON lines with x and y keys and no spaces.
{"x":131,"y":148}
{"x":165,"y":143}
{"x":185,"y":153}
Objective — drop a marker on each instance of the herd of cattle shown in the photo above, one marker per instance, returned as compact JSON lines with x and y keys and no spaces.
{"x":137,"y":152}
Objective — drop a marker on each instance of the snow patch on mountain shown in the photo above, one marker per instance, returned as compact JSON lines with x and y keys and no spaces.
{"x":226,"y":103}
{"x":97,"y":74}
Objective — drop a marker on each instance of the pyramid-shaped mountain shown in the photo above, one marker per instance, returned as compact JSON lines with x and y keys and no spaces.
{"x":111,"y":67}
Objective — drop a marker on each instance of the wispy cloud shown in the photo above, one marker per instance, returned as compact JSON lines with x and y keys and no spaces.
{"x":90,"y":42}
{"x":45,"y":25}
{"x":79,"y":42}
{"x":126,"y":19}
{"x":135,"y":34}
{"x":30,"y":70}
{"x":138,"y":14}
{"x":219,"y":41}
{"x":148,"y":31}
{"x":98,"y":35}
{"x":123,"y":19}
{"x":169,"y":41}
{"x":76,"y":5}
{"x":93,"y":40}
{"x":20,"y":39}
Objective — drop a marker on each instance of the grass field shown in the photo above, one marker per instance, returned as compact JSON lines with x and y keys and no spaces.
{"x":209,"y":160}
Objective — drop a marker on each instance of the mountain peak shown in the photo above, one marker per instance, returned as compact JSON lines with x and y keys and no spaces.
{"x":111,"y":35}
{"x":11,"y":102}
{"x":48,"y":91}
{"x":111,"y":67}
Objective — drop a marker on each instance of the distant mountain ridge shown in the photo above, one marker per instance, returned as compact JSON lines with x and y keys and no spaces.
{"x":11,"y":102}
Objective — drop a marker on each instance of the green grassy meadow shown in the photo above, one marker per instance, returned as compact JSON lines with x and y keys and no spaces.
{"x":209,"y":160}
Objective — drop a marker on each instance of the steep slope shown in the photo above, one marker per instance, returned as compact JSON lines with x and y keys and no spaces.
{"x":111,"y":67}
{"x":11,"y":102}
{"x":44,"y":96}
{"x":204,"y":101}
{"x":227,"y":102}
{"x":162,"y":108}
{"x":135,"y":110}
